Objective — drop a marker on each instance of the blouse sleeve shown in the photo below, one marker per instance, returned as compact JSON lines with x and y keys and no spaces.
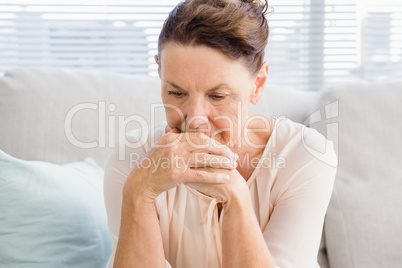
{"x":293,"y":232}
{"x":124,"y":158}
{"x":116,"y":172}
{"x":113,"y":186}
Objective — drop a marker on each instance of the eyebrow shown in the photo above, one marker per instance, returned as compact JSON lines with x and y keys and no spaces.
{"x":209,"y":90}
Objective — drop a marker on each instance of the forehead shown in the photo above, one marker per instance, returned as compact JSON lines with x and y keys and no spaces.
{"x":199,"y":64}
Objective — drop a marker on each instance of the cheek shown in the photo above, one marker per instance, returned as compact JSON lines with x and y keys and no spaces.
{"x":174,"y":116}
{"x":226,"y":118}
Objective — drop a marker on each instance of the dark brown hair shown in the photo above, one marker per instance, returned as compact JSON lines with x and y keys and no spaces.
{"x":236,"y":28}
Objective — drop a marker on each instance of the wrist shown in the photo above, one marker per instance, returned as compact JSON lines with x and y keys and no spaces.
{"x":136,"y":207}
{"x":138,"y":195}
{"x":237,"y":201}
{"x":135,"y":189}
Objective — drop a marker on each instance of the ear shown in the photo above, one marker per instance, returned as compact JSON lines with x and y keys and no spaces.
{"x":259,"y":83}
{"x":157,"y":62}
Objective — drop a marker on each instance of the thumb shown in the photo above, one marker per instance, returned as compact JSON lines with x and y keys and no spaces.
{"x":168,"y":129}
{"x":176,"y":130}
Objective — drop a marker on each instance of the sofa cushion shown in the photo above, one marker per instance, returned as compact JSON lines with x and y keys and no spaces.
{"x":51,"y":215}
{"x":363,"y":225}
{"x":61,"y":115}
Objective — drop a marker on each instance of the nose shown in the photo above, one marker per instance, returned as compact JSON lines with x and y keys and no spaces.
{"x":197,"y":114}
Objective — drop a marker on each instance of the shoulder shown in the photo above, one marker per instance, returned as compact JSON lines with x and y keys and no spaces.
{"x":308,"y":160}
{"x":304,"y":143}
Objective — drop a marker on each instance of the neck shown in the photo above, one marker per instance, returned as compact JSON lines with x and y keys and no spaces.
{"x":252,"y":147}
{"x":254,"y":136}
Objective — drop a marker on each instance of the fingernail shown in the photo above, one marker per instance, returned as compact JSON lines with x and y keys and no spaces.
{"x":225,"y":177}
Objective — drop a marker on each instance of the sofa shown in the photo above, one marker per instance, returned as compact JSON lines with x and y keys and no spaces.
{"x":58,"y":126}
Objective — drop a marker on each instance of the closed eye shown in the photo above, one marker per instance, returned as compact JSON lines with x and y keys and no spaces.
{"x":217,"y":97}
{"x":176,"y":94}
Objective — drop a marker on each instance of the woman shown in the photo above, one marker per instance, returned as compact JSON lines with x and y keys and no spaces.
{"x":215,"y":185}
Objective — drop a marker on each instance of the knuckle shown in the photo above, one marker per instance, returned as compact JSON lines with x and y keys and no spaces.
{"x":173,"y":174}
{"x":168,"y":150}
{"x":199,"y":135}
{"x":203,"y":141}
{"x":165,"y":138}
{"x":169,"y":137}
{"x":228,"y":151}
{"x":197,"y":175}
{"x":176,"y":176}
{"x":171,"y":149}
{"x":200,"y":176}
{"x":175,"y":146}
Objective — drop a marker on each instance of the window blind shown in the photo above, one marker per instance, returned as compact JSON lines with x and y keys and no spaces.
{"x":312,"y":44}
{"x":117,"y":36}
{"x":381,"y":44}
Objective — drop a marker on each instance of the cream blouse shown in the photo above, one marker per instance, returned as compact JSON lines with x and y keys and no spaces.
{"x":290,"y":190}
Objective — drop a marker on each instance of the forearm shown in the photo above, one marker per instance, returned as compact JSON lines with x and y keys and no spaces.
{"x":140,"y":241}
{"x":243,"y":244}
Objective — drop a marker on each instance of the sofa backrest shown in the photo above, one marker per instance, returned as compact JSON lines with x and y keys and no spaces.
{"x":60,"y":115}
{"x":363,"y":225}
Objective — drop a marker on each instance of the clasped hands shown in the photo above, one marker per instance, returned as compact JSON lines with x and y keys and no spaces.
{"x":190,"y":158}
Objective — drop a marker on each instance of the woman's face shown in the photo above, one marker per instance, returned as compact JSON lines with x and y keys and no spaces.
{"x":205,"y":91}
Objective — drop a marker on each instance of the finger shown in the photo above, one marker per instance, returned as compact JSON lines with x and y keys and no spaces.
{"x":204,"y":176}
{"x":169,"y":129}
{"x":176,"y":130}
{"x":203,"y":143}
{"x":223,"y":151}
{"x":210,"y":160}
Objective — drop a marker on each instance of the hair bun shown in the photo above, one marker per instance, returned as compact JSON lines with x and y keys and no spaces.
{"x":252,"y":2}
{"x":259,"y":4}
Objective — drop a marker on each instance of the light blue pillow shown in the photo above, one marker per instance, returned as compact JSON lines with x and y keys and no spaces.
{"x":52,"y":215}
